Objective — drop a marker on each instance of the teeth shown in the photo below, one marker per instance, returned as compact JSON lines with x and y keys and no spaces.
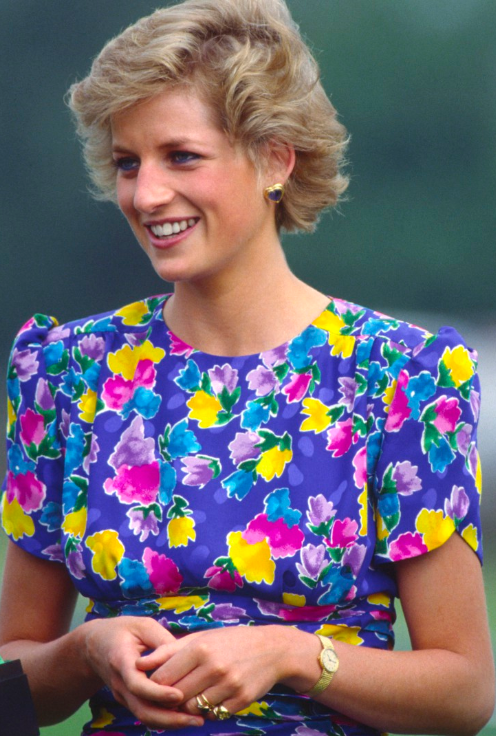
{"x":172,"y":228}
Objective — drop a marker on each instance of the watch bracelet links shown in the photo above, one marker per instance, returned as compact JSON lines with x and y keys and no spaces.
{"x":326,"y":677}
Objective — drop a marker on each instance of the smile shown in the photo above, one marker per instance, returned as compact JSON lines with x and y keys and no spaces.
{"x":172,"y":228}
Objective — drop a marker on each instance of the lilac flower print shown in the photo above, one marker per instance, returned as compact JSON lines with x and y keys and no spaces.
{"x":75,"y":563}
{"x":243,"y":447}
{"x":406,"y":478}
{"x":348,"y":387}
{"x":458,"y":504}
{"x":320,"y":510}
{"x":65,"y":424}
{"x":227,"y":612}
{"x":54,"y":552}
{"x":92,"y":347}
{"x":473,"y":459}
{"x":224,"y":376}
{"x":276,"y":356}
{"x":199,"y":470}
{"x":313,"y":560}
{"x":262,"y":381}
{"x":58,"y":332}
{"x":475,"y":403}
{"x":141,"y":524}
{"x":25,"y":363}
{"x":44,"y":397}
{"x":133,"y":448}
{"x":92,"y":456}
{"x":306,"y":731}
{"x":354,"y":557}
{"x":463,"y":438}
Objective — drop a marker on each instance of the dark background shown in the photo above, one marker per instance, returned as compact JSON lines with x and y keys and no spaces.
{"x":415,"y":84}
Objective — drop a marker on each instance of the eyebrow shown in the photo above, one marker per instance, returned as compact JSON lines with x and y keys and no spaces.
{"x":174,"y":143}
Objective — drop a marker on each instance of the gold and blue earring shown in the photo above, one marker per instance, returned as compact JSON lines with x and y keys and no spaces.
{"x":274,"y":193}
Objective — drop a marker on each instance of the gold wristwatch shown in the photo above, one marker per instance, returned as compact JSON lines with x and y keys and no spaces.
{"x":328,"y":660}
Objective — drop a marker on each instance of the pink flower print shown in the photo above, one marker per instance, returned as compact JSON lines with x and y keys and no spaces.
{"x":116,"y":392}
{"x":178,"y":347}
{"x":276,"y":356}
{"x":282,"y":540}
{"x":448,"y":413}
{"x":297,"y":387}
{"x":32,"y":428}
{"x":262,"y":381}
{"x":27,"y":489}
{"x":354,"y":557}
{"x":306,"y":613}
{"x":223,"y":377}
{"x":163,"y":572}
{"x":198,"y":470}
{"x":360,"y":465}
{"x":407,"y":545}
{"x":406,"y":478}
{"x":133,"y":448}
{"x":399,"y":411}
{"x":313,"y":560}
{"x":340,"y":438}
{"x":343,"y":533}
{"x":319,"y":510}
{"x":463,"y":438}
{"x":243,"y":447}
{"x":25,"y":363}
{"x":135,"y":484}
{"x":44,"y":397}
{"x":145,"y":374}
{"x":458,"y":504}
{"x":348,"y":387}
{"x":92,"y":347}
{"x":221,"y":579}
{"x":142,"y":525}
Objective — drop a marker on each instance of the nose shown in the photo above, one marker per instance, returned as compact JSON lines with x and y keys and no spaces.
{"x":153,"y":189}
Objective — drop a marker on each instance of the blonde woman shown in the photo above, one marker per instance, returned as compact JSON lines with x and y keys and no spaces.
{"x":242,"y":476}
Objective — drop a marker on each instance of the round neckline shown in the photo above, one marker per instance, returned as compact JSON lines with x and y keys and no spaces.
{"x":159,"y":317}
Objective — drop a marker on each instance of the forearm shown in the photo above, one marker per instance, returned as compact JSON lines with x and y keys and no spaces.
{"x":428,"y":691}
{"x":59,"y":676}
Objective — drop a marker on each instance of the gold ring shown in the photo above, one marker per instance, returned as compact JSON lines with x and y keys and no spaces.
{"x":204,"y":705}
{"x":221,"y":713}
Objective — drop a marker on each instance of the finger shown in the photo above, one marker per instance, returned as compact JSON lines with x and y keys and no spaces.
{"x":138,"y":684}
{"x":183,"y":662}
{"x":157,"y":718}
{"x":159,"y":656}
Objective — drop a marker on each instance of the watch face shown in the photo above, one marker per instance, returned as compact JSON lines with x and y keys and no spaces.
{"x":329,"y":660}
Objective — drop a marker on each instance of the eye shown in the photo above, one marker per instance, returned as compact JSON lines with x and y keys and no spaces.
{"x":183,"y":157}
{"x":125,"y":164}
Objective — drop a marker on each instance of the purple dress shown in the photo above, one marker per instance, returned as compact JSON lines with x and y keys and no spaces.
{"x":207,"y":491}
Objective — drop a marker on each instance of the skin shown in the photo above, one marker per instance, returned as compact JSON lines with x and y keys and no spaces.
{"x":232,"y":260}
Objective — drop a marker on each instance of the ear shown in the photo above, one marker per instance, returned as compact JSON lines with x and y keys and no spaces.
{"x":280,"y":162}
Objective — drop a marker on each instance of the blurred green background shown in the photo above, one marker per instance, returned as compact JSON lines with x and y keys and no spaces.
{"x":415,"y":84}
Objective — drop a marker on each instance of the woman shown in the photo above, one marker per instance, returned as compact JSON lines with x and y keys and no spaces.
{"x":229,"y":470}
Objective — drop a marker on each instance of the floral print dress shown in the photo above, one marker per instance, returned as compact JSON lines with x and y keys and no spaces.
{"x":207,"y":491}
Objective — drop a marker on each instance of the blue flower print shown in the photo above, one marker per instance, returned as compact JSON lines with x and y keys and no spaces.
{"x":51,"y":516}
{"x":135,"y":580}
{"x":182,"y":441}
{"x":74,"y":449}
{"x":17,"y":462}
{"x":255,"y":415}
{"x":144,"y":401}
{"x":53,"y":353}
{"x":239,"y":484}
{"x":278,"y":506}
{"x":441,"y":456}
{"x":299,"y":348}
{"x":189,"y":378}
{"x":419,"y":388}
{"x":168,"y":479}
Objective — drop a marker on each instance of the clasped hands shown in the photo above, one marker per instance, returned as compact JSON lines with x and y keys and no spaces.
{"x":231,"y":666}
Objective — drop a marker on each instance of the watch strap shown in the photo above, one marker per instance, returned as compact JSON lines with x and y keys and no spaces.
{"x":325,"y":678}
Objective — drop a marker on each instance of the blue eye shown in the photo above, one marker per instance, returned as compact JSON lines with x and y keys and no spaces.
{"x":183,"y":157}
{"x":125,"y":164}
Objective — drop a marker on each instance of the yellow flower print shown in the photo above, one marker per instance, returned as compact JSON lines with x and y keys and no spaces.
{"x":75,"y":522}
{"x":252,"y":561}
{"x":459,"y":363}
{"x":125,"y":360}
{"x":382,"y":532}
{"x":204,"y":408}
{"x":434,"y":527}
{"x":181,"y":603}
{"x":180,"y":530}
{"x":478,"y":475}
{"x":132,"y":314}
{"x":333,"y":324}
{"x":379,"y":599}
{"x":255,"y":709}
{"x":389,"y":394}
{"x":469,"y":534}
{"x":362,"y":500}
{"x":292,"y":599}
{"x":340,"y":632}
{"x":273,"y":462}
{"x":342,"y":345}
{"x":87,"y":405}
{"x":318,"y":419}
{"x":15,"y":521}
{"x":11,"y":415}
{"x":108,"y":551}
{"x":104,"y":718}
{"x":329,"y":322}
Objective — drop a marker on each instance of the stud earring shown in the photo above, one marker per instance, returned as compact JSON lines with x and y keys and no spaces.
{"x":274,"y":193}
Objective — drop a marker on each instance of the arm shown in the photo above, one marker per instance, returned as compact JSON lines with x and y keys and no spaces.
{"x":66,"y":667}
{"x":445,"y":685}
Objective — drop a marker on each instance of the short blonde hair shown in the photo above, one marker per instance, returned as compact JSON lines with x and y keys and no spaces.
{"x":248,"y":60}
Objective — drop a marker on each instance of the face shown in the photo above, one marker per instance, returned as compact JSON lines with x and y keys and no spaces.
{"x":194,"y":201}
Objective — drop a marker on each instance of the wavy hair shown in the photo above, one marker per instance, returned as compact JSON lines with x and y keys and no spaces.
{"x":248,"y":60}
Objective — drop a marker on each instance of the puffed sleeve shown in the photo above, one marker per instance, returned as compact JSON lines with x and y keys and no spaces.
{"x":427,"y":481}
{"x":37,"y":408}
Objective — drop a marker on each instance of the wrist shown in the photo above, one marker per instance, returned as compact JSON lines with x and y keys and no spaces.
{"x":300,"y":651}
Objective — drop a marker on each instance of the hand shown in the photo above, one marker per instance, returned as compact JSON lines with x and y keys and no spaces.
{"x":232,"y":666}
{"x":112,"y":648}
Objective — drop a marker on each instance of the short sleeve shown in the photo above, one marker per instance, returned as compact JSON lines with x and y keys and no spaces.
{"x":36,"y":410}
{"x":427,"y":481}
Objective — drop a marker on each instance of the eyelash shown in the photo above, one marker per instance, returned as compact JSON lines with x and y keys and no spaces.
{"x":126,"y":164}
